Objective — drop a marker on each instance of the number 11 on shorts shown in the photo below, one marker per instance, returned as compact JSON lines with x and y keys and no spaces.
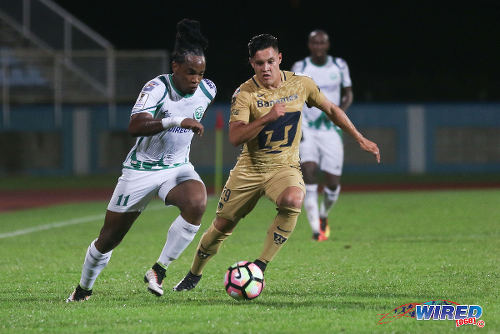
{"x":125,"y":200}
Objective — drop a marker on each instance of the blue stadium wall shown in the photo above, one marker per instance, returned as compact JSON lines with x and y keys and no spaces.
{"x":417,"y":138}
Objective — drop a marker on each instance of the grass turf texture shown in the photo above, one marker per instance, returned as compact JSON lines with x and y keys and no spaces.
{"x":109,"y":180}
{"x":388,"y":249}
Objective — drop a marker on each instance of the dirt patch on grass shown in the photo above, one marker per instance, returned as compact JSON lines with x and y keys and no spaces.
{"x":24,"y":199}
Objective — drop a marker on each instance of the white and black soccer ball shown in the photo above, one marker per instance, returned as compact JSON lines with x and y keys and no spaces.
{"x":244,"y":280}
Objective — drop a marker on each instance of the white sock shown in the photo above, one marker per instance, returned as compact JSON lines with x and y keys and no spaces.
{"x":94,"y":263}
{"x":179,"y":236}
{"x":311,"y":206}
{"x":331,"y":196}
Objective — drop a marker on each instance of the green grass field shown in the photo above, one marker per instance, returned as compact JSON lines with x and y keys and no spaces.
{"x":388,"y":249}
{"x":109,"y":180}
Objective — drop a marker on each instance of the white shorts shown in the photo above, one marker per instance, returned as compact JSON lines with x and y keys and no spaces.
{"x":324,"y":147}
{"x":135,"y":188}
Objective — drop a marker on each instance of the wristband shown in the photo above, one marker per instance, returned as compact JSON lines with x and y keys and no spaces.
{"x":170,"y":122}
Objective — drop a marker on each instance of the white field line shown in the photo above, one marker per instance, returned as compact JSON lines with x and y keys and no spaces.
{"x":50,"y":226}
{"x":74,"y":221}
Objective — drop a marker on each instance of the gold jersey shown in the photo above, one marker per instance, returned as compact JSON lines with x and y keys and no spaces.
{"x":277,"y":145}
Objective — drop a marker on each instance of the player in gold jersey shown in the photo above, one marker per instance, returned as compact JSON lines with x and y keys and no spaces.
{"x":266,"y":119}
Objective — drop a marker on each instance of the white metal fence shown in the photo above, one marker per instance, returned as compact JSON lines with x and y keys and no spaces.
{"x":49,"y":56}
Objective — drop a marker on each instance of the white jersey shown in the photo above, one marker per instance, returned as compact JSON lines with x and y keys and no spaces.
{"x":169,"y":148}
{"x":330,"y":78}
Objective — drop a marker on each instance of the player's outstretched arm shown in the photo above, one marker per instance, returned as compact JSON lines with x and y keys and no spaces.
{"x":143,"y":124}
{"x":338,"y":116}
{"x":241,"y":132}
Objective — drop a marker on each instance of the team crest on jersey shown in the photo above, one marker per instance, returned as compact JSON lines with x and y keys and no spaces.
{"x":198,"y":113}
{"x":150,"y":86}
{"x":233,"y":98}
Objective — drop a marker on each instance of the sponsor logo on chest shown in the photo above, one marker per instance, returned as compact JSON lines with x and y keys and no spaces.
{"x":284,"y":99}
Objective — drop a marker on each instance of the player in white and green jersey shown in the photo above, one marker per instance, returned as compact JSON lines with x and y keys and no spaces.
{"x":164,"y":119}
{"x":321,"y":146}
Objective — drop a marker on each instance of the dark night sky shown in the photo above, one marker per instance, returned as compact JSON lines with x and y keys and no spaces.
{"x":405,"y":51}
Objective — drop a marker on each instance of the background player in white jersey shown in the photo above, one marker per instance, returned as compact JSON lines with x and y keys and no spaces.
{"x":164,"y":118}
{"x":321,"y":144}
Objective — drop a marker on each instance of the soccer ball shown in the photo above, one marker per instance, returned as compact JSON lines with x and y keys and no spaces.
{"x":244,"y":280}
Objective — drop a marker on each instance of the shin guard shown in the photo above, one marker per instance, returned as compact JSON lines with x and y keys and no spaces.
{"x":279,"y":232}
{"x":208,"y":246}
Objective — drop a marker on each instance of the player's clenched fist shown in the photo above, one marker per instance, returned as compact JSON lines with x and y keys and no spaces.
{"x":276,"y":112}
{"x":195,"y":126}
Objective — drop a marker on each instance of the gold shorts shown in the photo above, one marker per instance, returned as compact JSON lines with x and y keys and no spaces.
{"x":243,"y":190}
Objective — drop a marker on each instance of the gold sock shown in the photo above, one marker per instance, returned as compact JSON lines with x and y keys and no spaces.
{"x":279,"y":232}
{"x":208,"y":246}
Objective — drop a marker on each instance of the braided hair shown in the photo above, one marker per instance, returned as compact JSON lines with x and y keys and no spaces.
{"x":188,"y":40}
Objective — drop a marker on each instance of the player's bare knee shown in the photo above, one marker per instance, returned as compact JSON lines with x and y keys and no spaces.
{"x":332,"y":181}
{"x":291,"y":199}
{"x":197,"y":208}
{"x":332,"y":187}
{"x":194,"y":207}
